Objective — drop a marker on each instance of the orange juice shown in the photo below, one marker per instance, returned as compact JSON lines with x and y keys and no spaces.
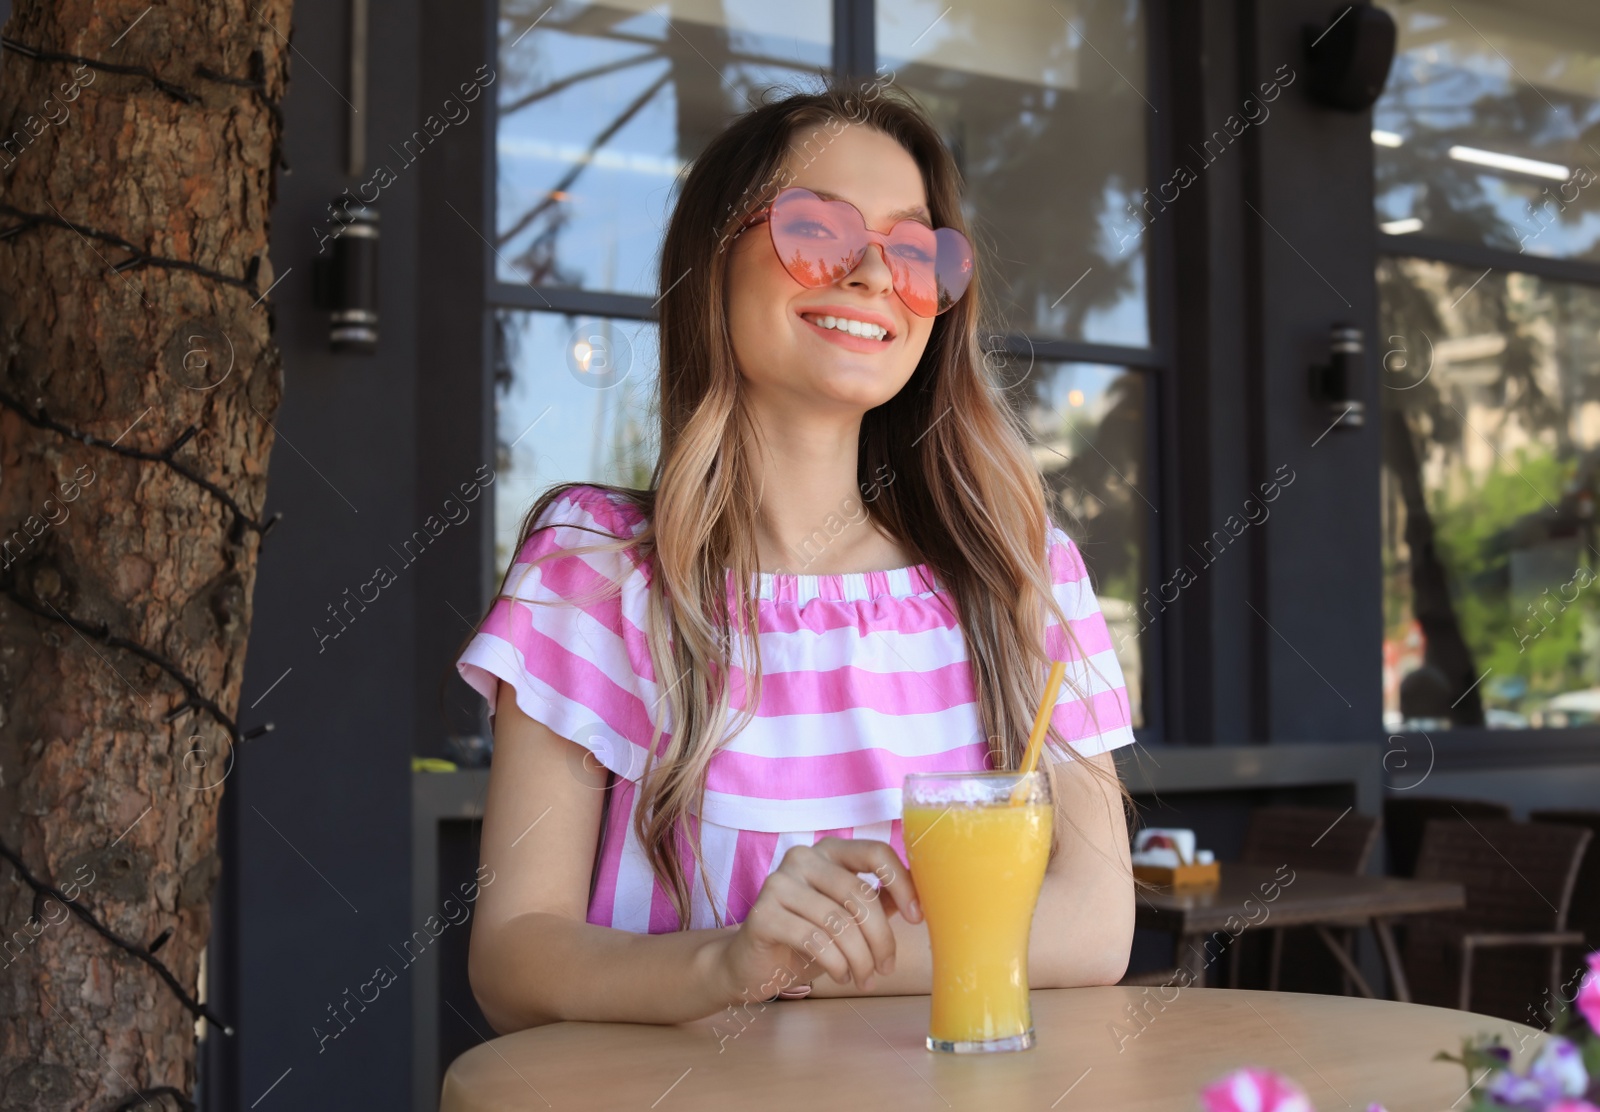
{"x":977,"y":867}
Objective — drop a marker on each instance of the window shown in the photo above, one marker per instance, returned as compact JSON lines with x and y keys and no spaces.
{"x":1488,"y":155}
{"x":1489,"y":129}
{"x":1492,"y":460}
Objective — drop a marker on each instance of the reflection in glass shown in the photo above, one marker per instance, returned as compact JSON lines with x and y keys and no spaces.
{"x":1044,"y":108}
{"x":573,"y":403}
{"x":1087,"y":423}
{"x":1489,"y":128}
{"x":601,"y":105}
{"x":1491,"y":442}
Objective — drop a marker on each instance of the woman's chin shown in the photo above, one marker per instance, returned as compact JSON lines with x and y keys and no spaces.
{"x":832,"y":391}
{"x":857,"y":389}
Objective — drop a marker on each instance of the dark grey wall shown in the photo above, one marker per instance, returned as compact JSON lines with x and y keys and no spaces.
{"x":455,"y":407}
{"x":1210,"y":652}
{"x":1313,"y":239}
{"x":317,"y":860}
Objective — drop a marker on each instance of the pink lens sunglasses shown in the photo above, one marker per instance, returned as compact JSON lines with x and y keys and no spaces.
{"x":819,"y":242}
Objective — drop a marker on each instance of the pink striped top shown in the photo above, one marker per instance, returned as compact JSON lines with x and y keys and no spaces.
{"x":866,"y":678}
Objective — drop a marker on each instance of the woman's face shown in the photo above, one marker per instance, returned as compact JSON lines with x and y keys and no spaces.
{"x":785,"y":357}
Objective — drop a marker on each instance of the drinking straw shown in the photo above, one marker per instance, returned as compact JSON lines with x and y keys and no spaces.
{"x":1041,"y":721}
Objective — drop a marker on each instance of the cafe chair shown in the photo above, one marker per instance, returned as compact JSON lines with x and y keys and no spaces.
{"x":1405,"y":817}
{"x":1314,"y":838}
{"x":1504,"y":951}
{"x":1585,"y":913}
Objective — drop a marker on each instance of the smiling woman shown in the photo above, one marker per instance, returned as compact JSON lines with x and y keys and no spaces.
{"x":754,"y":726}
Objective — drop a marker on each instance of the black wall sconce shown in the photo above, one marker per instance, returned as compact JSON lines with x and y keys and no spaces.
{"x":345,"y":279}
{"x":1350,"y":57}
{"x":1337,"y":383}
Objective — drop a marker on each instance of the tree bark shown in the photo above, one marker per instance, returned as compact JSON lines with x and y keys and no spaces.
{"x":128,"y":553}
{"x":1445,"y":647}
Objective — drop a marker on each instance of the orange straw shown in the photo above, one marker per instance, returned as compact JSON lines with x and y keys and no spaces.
{"x":1041,"y":722}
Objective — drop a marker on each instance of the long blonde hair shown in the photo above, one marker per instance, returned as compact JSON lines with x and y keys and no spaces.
{"x":966,"y":495}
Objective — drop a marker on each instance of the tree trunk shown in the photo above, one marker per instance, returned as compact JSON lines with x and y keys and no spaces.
{"x":1445,"y":647}
{"x":138,"y":380}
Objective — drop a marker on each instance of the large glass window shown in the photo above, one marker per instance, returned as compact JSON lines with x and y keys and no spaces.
{"x":1044,"y":106}
{"x":1491,"y":432}
{"x":603,"y":103}
{"x":1488,"y":131}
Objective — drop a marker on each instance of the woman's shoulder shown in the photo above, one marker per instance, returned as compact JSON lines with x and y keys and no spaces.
{"x":583,"y":515}
{"x":584,"y":504}
{"x":1065,"y":559}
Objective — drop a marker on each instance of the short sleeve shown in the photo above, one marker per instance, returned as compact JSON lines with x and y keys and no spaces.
{"x":1093,"y":712}
{"x":568,"y":633}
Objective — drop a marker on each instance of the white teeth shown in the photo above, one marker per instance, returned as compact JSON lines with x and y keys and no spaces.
{"x":853,"y":327}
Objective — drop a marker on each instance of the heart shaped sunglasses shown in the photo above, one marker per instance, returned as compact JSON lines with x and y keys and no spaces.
{"x":819,"y":242}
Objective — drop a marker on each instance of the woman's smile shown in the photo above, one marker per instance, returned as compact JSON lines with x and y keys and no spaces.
{"x":852,"y":329}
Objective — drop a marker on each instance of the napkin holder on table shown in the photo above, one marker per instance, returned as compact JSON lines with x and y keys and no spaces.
{"x":1169,"y":857}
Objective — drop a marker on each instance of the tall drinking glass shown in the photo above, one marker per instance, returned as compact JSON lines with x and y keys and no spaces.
{"x":977,"y":856}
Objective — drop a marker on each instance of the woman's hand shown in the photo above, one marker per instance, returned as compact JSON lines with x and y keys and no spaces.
{"x":815,"y":912}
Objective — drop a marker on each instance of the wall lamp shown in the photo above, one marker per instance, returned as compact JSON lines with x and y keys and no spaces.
{"x":1337,"y":384}
{"x":345,"y":279}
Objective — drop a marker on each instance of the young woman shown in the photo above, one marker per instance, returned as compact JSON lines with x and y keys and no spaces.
{"x":707,"y":695}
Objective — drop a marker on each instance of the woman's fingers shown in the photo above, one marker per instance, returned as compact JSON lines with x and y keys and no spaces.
{"x":860,"y":902}
{"x":864,"y":855}
{"x":838,"y":925}
{"x":817,"y":904}
{"x":808,"y":940}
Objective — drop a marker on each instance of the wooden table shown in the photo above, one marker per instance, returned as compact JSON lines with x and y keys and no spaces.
{"x":862,"y":1053}
{"x":1205,"y":921}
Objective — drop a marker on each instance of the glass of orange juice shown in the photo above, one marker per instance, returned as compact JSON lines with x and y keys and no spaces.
{"x":977,"y":844}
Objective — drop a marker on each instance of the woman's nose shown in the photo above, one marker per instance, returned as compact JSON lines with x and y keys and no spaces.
{"x":872,"y":274}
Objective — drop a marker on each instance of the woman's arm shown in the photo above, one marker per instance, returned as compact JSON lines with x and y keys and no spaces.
{"x":534,"y":959}
{"x":1083,"y":928}
{"x":1083,"y":924}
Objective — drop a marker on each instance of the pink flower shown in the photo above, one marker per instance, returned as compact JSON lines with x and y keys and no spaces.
{"x":1588,"y":1000}
{"x":1253,"y":1090}
{"x":1572,"y":1106}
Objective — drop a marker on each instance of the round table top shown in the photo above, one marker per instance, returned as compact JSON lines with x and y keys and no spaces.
{"x":868,"y":1052}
